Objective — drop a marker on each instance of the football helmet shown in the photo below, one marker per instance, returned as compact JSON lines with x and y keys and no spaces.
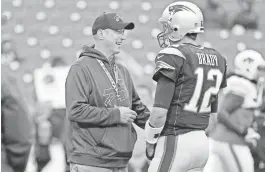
{"x":179,"y":19}
{"x":249,"y":63}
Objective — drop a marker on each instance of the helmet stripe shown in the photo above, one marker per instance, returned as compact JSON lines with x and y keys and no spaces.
{"x":176,"y":8}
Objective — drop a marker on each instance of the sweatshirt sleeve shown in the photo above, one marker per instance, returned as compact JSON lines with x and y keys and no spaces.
{"x":143,"y":113}
{"x":77,"y":89}
{"x":16,"y":127}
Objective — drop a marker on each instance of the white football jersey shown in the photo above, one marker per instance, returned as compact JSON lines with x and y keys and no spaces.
{"x":251,"y":92}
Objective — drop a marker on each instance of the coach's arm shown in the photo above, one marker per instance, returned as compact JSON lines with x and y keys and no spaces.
{"x":141,"y":109}
{"x":77,"y":106}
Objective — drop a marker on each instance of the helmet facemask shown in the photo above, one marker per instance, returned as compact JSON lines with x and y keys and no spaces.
{"x":179,"y":19}
{"x":162,"y":37}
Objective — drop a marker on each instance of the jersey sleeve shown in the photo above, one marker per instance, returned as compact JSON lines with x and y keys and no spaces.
{"x":224,"y":82}
{"x":168,"y":64}
{"x":164,"y":92}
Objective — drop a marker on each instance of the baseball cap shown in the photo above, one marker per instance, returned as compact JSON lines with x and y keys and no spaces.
{"x":110,"y":21}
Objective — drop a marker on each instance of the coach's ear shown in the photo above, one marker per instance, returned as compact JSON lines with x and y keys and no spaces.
{"x":100,"y":34}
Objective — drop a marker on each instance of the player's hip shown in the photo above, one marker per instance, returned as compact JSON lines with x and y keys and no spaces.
{"x":171,"y":149}
{"x":225,"y":156}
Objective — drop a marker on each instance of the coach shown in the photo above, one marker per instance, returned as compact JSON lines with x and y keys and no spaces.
{"x":101,"y":103}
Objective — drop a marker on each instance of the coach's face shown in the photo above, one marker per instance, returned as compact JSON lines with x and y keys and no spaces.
{"x":114,"y":40}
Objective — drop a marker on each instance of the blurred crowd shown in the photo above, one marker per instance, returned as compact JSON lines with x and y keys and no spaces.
{"x":33,"y":135}
{"x":216,"y":16}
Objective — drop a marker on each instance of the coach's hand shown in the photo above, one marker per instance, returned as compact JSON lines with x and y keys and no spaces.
{"x":150,"y":150}
{"x":127,"y":115}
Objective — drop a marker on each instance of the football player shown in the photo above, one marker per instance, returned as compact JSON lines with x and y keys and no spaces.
{"x":188,"y":78}
{"x":228,"y":142}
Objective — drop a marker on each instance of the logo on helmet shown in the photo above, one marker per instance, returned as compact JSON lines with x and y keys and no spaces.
{"x":248,"y":60}
{"x":176,"y":8}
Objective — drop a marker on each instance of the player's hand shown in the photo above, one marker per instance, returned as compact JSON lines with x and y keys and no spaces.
{"x":252,"y":137}
{"x":150,"y":150}
{"x":127,"y":115}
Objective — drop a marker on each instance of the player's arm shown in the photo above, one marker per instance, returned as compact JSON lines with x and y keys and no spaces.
{"x":167,"y":71}
{"x":154,"y":126}
{"x":213,"y":116}
{"x":214,"y":104}
{"x":232,"y":103}
{"x":163,"y":97}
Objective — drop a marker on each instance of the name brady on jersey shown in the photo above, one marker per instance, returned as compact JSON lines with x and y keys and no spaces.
{"x":207,"y":59}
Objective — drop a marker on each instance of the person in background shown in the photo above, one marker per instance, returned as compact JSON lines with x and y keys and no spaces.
{"x":49,"y":121}
{"x":258,"y":152}
{"x":42,"y":135}
{"x":58,"y":115}
{"x":246,"y":17}
{"x":233,"y":135}
{"x":215,"y":15}
{"x":16,"y":128}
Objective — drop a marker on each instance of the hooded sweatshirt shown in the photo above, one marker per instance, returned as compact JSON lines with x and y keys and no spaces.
{"x":95,"y":136}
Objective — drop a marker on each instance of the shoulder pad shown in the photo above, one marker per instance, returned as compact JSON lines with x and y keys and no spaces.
{"x":172,"y":51}
{"x":240,"y":86}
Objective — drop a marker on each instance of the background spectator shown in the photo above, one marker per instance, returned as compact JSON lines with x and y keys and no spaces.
{"x":215,"y":15}
{"x":246,"y":17}
{"x":16,"y":129}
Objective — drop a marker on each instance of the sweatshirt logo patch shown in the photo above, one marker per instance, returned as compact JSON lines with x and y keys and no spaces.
{"x":110,"y":94}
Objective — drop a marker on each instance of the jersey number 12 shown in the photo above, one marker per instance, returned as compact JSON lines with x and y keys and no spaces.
{"x":205,"y":107}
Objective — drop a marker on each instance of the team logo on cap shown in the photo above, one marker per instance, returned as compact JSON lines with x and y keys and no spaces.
{"x":118,"y":18}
